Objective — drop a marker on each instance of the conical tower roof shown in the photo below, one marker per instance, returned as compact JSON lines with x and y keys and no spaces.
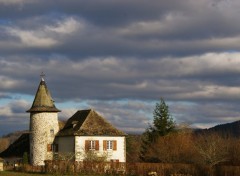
{"x":43,"y":101}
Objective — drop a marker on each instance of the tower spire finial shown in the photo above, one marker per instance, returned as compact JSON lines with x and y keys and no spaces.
{"x":42,"y":76}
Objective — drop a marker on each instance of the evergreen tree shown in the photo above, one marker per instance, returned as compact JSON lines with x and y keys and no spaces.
{"x":25,"y":158}
{"x":162,"y":121}
{"x":162,"y":125}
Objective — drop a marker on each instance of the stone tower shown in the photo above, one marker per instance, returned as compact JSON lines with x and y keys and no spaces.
{"x":43,"y":126}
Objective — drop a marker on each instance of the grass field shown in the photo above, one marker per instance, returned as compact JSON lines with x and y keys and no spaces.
{"x":12,"y":173}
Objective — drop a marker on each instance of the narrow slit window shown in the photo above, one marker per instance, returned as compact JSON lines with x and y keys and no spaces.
{"x":52,"y":132}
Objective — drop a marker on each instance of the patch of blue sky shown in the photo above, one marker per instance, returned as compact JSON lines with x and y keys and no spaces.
{"x":186,"y":103}
{"x":72,"y":104}
{"x":26,"y":97}
{"x":4,"y":101}
{"x":8,"y":98}
{"x":127,"y":100}
{"x":232,"y":51}
{"x":5,"y":21}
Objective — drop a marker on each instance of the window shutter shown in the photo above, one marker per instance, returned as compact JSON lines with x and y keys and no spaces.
{"x":96,"y":145}
{"x":87,"y":143}
{"x":49,"y":147}
{"x":114,"y":145}
{"x":104,"y":145}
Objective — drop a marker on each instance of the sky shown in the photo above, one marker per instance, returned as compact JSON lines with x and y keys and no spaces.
{"x":120,"y":57}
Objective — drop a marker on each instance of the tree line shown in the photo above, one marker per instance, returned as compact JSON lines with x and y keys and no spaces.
{"x":164,"y":142}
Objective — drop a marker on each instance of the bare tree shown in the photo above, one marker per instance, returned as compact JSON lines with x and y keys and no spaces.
{"x":212,"y":149}
{"x":173,"y":148}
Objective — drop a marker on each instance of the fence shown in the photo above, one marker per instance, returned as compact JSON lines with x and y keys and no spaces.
{"x":129,"y":169}
{"x":84,"y":167}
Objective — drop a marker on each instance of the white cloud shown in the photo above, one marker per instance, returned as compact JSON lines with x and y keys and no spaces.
{"x":8,"y":110}
{"x":44,"y":36}
{"x":8,"y":83}
{"x":32,"y":38}
{"x":66,"y":26}
{"x":11,"y":2}
{"x":162,"y":27}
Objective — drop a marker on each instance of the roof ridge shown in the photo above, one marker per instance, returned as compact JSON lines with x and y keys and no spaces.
{"x":89,"y":123}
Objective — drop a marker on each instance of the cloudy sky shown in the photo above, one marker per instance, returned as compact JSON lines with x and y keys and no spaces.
{"x":119,"y":57}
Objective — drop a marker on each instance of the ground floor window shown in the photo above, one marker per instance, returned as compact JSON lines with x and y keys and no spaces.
{"x":109,"y":145}
{"x":91,"y":145}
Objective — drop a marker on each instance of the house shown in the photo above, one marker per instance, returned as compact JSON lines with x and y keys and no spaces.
{"x":1,"y":164}
{"x":86,"y":131}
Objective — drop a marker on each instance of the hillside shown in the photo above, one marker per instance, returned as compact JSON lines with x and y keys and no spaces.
{"x":228,"y":130}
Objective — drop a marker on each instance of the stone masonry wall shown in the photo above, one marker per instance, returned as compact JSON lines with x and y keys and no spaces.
{"x":41,"y":125}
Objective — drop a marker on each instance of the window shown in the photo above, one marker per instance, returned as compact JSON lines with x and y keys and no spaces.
{"x":109,"y":145}
{"x":52,"y":132}
{"x":91,"y":145}
{"x":49,"y":147}
{"x":52,"y":147}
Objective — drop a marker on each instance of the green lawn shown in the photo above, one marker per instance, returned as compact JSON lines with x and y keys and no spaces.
{"x":12,"y":173}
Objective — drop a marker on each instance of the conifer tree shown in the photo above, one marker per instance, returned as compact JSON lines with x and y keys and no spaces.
{"x":162,"y":121}
{"x":162,"y":125}
{"x":25,"y":158}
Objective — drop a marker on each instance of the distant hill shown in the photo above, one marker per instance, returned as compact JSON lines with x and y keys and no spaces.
{"x":227,"y":130}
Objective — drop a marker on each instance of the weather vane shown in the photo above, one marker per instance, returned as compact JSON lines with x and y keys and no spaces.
{"x":42,"y":76}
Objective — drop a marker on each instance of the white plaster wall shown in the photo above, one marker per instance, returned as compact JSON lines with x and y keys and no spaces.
{"x":119,"y":154}
{"x":66,"y":144}
{"x":40,"y":126}
{"x":1,"y":165}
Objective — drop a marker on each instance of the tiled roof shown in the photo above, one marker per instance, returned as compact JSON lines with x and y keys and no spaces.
{"x":18,"y":147}
{"x":89,"y":123}
{"x":43,"y":101}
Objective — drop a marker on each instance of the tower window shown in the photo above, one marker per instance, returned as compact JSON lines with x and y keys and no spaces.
{"x":52,"y":147}
{"x":52,"y":132}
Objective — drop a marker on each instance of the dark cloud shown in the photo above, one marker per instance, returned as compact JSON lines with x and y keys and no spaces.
{"x":122,"y":56}
{"x":120,"y":28}
{"x":13,"y":116}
